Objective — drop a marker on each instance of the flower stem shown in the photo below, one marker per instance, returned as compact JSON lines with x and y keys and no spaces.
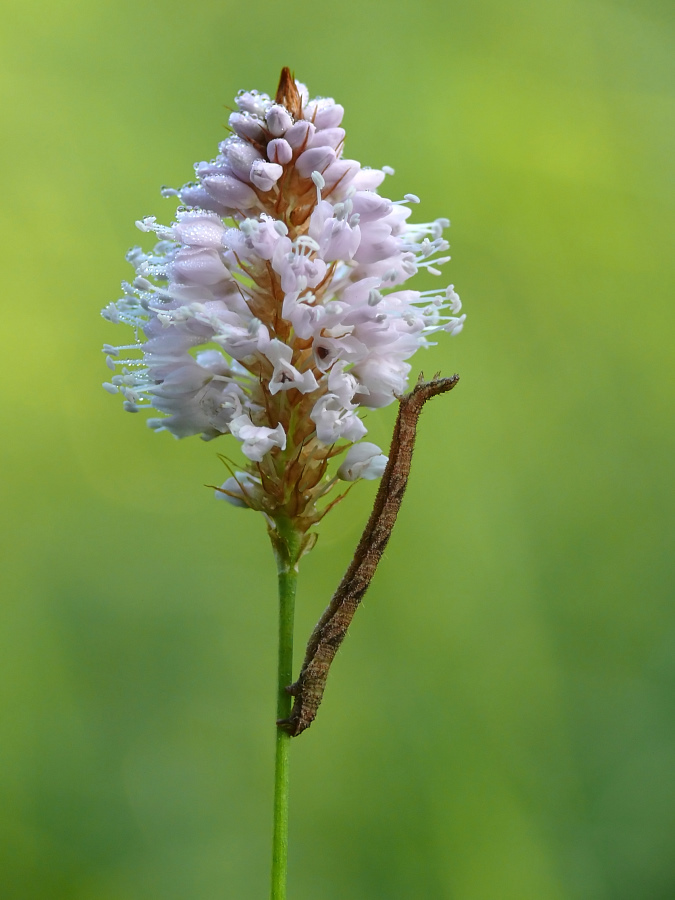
{"x":286,"y":542}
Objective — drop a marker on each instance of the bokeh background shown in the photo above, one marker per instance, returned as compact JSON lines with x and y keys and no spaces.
{"x":501,"y":723}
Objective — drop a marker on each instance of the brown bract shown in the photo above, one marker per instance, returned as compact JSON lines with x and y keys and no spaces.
{"x":288,"y":94}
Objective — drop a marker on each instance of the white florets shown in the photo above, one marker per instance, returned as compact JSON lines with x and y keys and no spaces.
{"x":243,"y":299}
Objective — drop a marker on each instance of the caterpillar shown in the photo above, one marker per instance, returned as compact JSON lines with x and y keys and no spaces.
{"x":332,"y":627}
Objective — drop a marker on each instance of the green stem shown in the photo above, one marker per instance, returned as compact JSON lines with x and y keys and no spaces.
{"x":286,"y":542}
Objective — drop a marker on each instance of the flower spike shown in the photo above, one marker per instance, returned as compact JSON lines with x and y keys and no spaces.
{"x":275,"y":307}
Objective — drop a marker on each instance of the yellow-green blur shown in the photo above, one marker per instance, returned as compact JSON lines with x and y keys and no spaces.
{"x":500,"y":724}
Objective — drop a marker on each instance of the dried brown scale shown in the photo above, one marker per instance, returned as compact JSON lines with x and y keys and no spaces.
{"x":320,"y":289}
{"x":287,"y":93}
{"x":332,"y":627}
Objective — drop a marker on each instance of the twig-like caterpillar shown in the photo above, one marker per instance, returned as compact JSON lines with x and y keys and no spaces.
{"x":332,"y":627}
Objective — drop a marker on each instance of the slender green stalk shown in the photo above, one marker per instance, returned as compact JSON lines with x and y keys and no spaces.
{"x":286,"y":547}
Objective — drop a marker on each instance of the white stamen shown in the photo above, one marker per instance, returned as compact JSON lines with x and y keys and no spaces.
{"x":320,"y":183}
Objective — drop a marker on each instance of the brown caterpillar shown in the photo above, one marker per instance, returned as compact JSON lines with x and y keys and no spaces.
{"x":332,"y":627}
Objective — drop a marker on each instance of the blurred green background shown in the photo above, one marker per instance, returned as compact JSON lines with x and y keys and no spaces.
{"x":501,"y":723}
